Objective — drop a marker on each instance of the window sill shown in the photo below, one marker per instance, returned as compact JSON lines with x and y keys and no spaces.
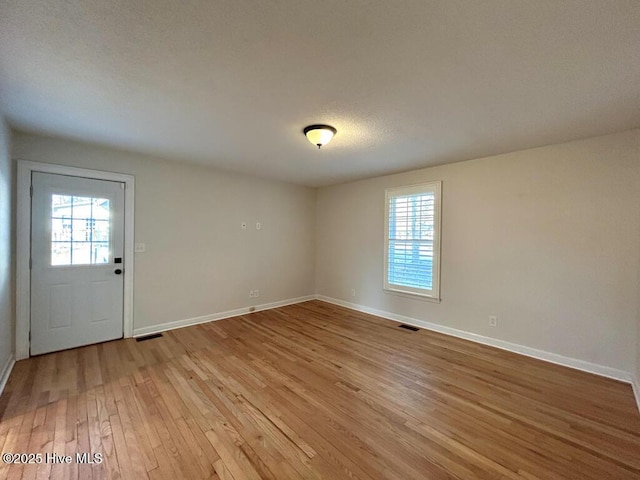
{"x":415,"y":296}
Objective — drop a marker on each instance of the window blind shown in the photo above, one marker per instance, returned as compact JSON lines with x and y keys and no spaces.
{"x":412,"y":239}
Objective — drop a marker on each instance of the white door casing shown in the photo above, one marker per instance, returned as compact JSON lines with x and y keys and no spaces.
{"x":77,"y":239}
{"x":23,"y":244}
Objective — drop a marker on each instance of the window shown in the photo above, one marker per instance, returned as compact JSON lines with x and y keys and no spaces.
{"x":79,"y":230}
{"x":412,"y":240}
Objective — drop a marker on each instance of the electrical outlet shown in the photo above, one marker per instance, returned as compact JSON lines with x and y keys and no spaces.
{"x":258,"y":225}
{"x":256,"y":293}
{"x":139,"y":247}
{"x":251,"y":295}
{"x":353,"y":292}
{"x":493,"y":321}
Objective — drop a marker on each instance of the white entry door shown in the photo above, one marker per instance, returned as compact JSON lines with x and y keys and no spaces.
{"x":77,"y":238}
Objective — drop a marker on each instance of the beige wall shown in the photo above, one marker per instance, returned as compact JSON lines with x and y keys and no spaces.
{"x":6,"y":247}
{"x":546,"y":239}
{"x":637,"y":379}
{"x":198,"y":260}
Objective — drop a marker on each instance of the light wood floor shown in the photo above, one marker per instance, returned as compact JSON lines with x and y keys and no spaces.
{"x":315,"y":391}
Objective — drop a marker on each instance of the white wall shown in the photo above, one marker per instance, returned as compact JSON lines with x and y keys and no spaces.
{"x":7,"y":309}
{"x":546,"y":239}
{"x":198,"y":260}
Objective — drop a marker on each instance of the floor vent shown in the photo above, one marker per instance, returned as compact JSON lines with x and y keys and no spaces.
{"x":148,"y":337}
{"x":409,"y":327}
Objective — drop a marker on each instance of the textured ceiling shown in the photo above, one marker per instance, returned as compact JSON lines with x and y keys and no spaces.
{"x":406,"y":83}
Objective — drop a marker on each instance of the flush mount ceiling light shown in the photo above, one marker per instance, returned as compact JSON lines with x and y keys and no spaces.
{"x":319,"y":135}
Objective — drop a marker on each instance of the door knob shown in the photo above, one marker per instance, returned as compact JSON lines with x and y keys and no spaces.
{"x":117,"y":271}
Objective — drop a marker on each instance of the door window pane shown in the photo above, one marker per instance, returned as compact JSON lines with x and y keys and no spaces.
{"x":60,"y":230}
{"x":100,"y":231}
{"x":60,"y":253}
{"x":100,"y":253}
{"x":100,"y":209}
{"x":80,"y":230}
{"x":81,"y":253}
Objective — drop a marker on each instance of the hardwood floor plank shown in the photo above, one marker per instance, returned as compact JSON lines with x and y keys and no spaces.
{"x":315,"y":391}
{"x":136,"y":436}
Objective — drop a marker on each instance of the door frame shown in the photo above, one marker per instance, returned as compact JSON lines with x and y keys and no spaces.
{"x":23,"y":244}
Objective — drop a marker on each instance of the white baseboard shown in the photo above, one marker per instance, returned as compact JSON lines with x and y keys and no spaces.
{"x":6,"y":371}
{"x":493,"y":342}
{"x":635,"y":384}
{"x":163,"y":327}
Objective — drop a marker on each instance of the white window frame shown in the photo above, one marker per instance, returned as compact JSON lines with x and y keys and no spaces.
{"x":432,"y":294}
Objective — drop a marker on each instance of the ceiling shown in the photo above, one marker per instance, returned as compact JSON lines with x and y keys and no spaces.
{"x":407,"y":83}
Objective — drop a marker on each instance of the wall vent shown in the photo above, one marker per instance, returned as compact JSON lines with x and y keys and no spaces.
{"x":409,"y":327}
{"x":148,"y":337}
